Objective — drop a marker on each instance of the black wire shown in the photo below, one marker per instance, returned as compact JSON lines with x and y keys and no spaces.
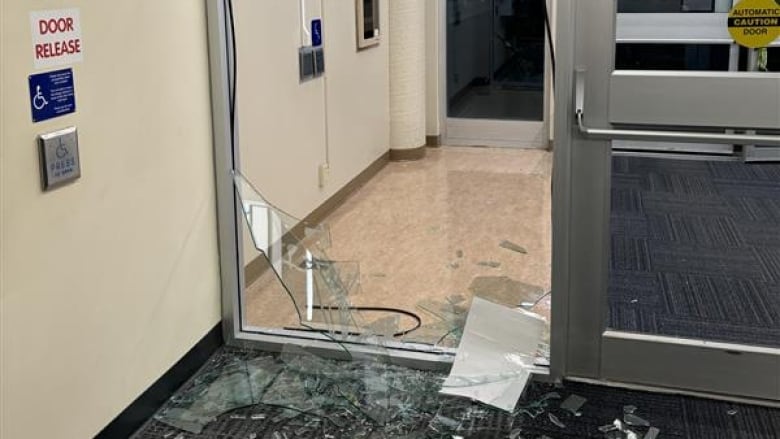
{"x":550,"y":40}
{"x":234,"y":76}
{"x":415,"y":317}
{"x":232,"y":91}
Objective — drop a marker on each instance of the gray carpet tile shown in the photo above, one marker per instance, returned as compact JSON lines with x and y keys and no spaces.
{"x":705,"y":236}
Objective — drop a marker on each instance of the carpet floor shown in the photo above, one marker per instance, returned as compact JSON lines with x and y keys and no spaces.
{"x":696,"y":249}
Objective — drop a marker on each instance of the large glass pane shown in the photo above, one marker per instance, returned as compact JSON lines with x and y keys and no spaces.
{"x":713,"y":57}
{"x":671,"y":6}
{"x":693,"y":247}
{"x":477,"y":224}
{"x":495,"y":59}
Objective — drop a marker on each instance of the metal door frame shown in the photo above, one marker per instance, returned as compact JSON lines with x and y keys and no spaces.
{"x":230,"y":234}
{"x":582,"y":345}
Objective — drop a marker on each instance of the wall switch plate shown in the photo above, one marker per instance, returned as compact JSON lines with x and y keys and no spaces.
{"x":324,"y":174}
{"x":59,"y":153}
{"x":306,"y":59}
{"x":319,"y":61}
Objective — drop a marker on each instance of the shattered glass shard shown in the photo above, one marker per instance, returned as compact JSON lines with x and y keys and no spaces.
{"x":236,"y":383}
{"x":652,"y":433}
{"x":509,"y":245}
{"x":505,"y":291}
{"x":573,"y":403}
{"x":515,"y":434}
{"x":635,"y":421}
{"x":489,"y":264}
{"x":554,"y":419}
{"x":607,"y":428}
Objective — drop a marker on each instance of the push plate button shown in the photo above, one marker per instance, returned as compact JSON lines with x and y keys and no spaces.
{"x":60,"y":162}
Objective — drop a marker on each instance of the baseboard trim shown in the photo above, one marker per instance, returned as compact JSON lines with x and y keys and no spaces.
{"x":407,"y":155}
{"x":255,"y":269}
{"x":433,"y":141}
{"x":145,"y":406}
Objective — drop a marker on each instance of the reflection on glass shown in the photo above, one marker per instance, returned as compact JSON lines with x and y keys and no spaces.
{"x":771,"y":60}
{"x":495,"y":59}
{"x":293,"y":257}
{"x":712,"y":57}
{"x":672,"y":6}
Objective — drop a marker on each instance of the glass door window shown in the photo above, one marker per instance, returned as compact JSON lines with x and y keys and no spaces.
{"x":496,"y":60}
{"x":677,"y":35}
{"x":496,"y":87}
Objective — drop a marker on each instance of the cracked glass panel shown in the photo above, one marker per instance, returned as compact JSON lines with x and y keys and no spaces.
{"x":293,"y":259}
{"x":324,"y":297}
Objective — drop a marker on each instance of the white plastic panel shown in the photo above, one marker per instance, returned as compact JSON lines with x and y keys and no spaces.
{"x":673,"y":28}
{"x":680,"y":28}
{"x":695,"y":99}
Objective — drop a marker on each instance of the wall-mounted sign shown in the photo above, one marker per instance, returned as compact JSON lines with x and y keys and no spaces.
{"x":52,"y":94}
{"x":755,"y":23}
{"x":56,"y":37}
{"x":316,"y":32}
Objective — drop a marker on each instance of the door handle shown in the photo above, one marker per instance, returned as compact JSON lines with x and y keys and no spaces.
{"x":660,"y":135}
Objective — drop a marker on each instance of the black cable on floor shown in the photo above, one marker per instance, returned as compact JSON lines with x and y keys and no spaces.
{"x":415,"y":317}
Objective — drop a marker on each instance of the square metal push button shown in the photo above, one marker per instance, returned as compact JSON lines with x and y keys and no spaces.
{"x":59,"y":157}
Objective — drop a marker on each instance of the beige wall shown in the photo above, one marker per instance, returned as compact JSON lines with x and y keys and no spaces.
{"x":106,"y":283}
{"x":287,"y":128}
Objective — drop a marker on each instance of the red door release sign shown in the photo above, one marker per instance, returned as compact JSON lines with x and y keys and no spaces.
{"x":56,"y":37}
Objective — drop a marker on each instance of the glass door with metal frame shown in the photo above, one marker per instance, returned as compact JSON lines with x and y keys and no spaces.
{"x":666,"y":269}
{"x":495,"y":75}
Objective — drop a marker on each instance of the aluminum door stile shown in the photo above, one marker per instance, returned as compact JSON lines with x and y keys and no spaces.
{"x":582,"y":345}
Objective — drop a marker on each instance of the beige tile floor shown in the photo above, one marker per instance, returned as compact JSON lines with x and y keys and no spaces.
{"x":421,"y":229}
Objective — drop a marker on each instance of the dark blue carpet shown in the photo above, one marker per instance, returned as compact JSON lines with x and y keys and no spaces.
{"x":696,"y":249}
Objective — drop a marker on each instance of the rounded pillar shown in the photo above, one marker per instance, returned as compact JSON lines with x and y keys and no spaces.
{"x":407,"y":79}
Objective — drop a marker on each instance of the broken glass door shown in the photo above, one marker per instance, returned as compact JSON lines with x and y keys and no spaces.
{"x":320,"y":297}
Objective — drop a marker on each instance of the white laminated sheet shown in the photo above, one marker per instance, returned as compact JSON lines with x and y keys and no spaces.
{"x":496,"y":355}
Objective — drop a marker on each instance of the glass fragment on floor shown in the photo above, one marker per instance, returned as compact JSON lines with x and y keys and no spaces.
{"x":573,"y":404}
{"x":509,"y":245}
{"x":234,"y":383}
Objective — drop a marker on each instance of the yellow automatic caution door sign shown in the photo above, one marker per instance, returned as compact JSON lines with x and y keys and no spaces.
{"x":755,"y":23}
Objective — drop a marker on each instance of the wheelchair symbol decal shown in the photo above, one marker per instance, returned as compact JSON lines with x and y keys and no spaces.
{"x":39,"y":102}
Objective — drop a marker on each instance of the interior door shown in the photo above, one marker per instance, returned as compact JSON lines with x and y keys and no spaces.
{"x":665,"y":271}
{"x":495,"y":80}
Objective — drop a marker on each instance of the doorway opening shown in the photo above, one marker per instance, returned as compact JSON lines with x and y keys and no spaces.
{"x":406,"y":264}
{"x":497,"y":78}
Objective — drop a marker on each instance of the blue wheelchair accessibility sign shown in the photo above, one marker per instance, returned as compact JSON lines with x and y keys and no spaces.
{"x":52,"y":94}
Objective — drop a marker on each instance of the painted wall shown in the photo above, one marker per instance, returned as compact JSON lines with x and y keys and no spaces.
{"x":106,"y":283}
{"x":288,"y":129}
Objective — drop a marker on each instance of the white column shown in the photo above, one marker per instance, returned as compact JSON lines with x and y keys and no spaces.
{"x":407,"y":79}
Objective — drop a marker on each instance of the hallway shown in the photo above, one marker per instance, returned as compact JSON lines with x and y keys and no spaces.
{"x":430,"y":233}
